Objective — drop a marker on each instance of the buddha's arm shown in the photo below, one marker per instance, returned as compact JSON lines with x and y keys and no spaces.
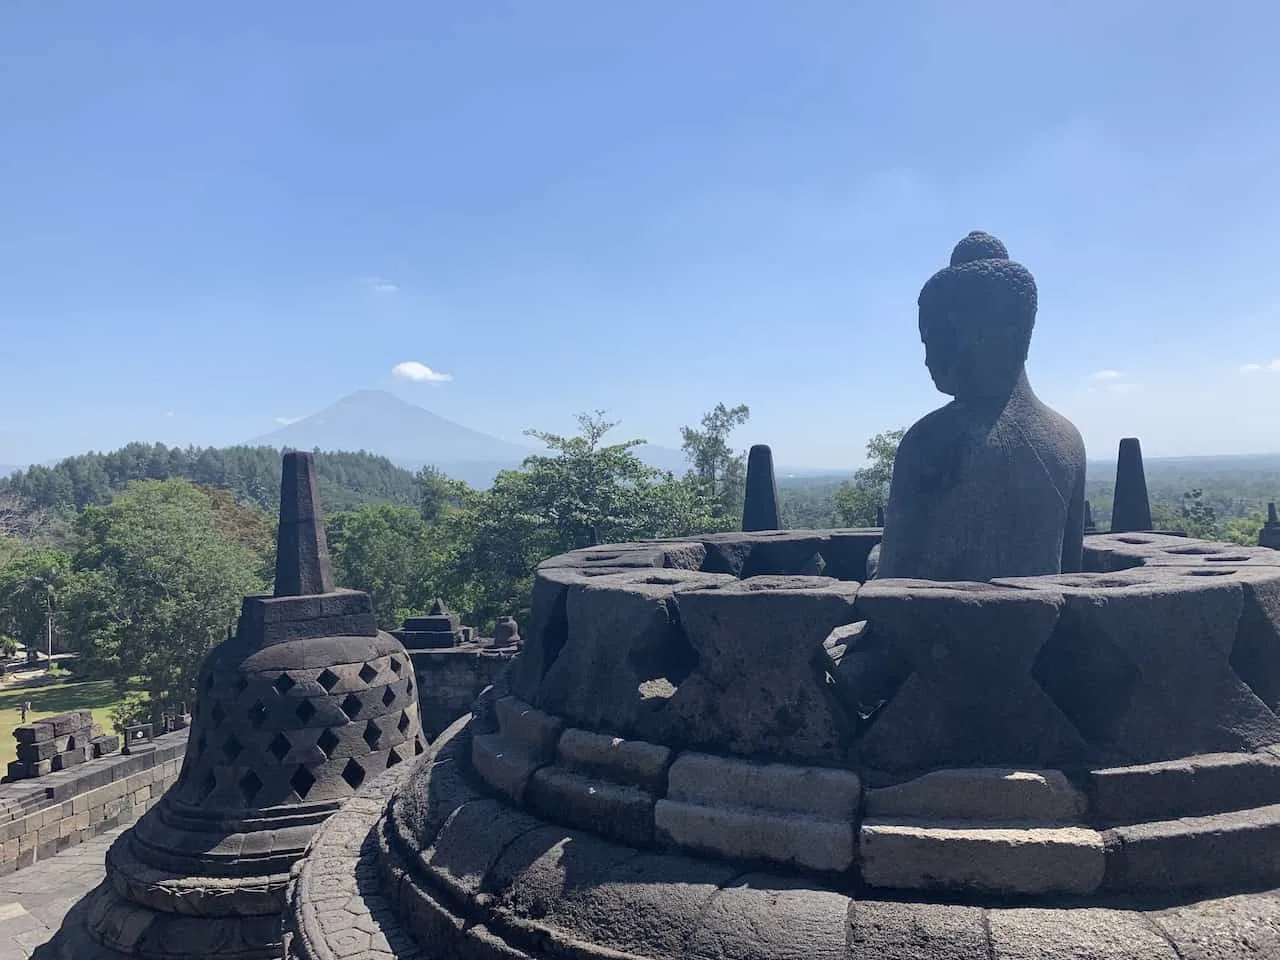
{"x":1073,"y":535}
{"x":899,"y":545}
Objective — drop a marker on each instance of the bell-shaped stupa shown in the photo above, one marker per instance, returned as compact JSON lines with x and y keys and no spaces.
{"x":297,"y":709}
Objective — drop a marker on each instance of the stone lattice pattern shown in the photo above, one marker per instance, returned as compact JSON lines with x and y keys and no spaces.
{"x":301,"y":707}
{"x":299,"y":735}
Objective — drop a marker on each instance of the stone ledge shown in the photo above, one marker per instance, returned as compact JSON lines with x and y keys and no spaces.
{"x":712,"y":780}
{"x":982,"y":858}
{"x":1198,"y":785}
{"x":616,"y":811}
{"x":1239,"y":849}
{"x":789,"y":839}
{"x":982,"y":793}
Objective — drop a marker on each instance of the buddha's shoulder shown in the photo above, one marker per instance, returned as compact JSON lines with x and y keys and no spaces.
{"x":1049,"y":427}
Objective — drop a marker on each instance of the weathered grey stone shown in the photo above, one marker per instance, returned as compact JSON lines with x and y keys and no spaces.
{"x":970,"y":698}
{"x":982,"y":793}
{"x":622,"y":761}
{"x":992,"y":484}
{"x":889,"y":930}
{"x":724,"y":781}
{"x":613,"y":810}
{"x":760,"y":504}
{"x":1139,"y":662}
{"x":741,"y":833}
{"x":1231,"y":928}
{"x":623,"y":631}
{"x":1191,"y":786}
{"x":1233,"y":850}
{"x":1130,"y":508}
{"x":1032,"y":933}
{"x":759,"y":687}
{"x":992,"y":859}
{"x":302,"y":556}
{"x":762,"y":917}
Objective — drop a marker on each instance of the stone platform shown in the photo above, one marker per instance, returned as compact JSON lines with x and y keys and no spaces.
{"x":702,"y":752}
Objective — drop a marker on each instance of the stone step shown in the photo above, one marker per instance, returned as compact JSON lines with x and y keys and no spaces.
{"x":616,"y":811}
{"x":983,"y":794}
{"x":1194,"y":786}
{"x":1239,"y":849}
{"x":1007,"y":859}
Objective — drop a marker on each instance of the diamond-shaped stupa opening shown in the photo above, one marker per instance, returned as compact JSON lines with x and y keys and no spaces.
{"x":280,"y":746}
{"x":327,"y":679}
{"x":371,"y":734}
{"x":284,"y":683}
{"x":249,"y":785}
{"x":351,"y":706}
{"x":306,"y":710}
{"x":327,"y":741}
{"x":353,"y":774}
{"x":367,"y":673}
{"x":302,"y":781}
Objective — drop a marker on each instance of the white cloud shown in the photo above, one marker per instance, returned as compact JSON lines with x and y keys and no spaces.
{"x":169,"y":413}
{"x":419,"y":372}
{"x":379,"y":285}
{"x":1272,"y":366}
{"x":1106,"y":375}
{"x":285,"y":421}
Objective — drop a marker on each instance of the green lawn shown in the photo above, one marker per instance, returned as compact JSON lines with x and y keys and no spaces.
{"x":47,"y":698}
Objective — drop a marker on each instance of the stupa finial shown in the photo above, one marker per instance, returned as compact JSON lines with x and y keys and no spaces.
{"x":302,"y":555}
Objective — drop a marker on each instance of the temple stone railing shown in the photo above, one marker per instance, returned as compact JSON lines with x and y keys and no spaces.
{"x":44,"y":816}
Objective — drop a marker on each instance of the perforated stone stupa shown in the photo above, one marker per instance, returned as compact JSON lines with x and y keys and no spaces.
{"x":306,"y":703}
{"x":706,"y":750}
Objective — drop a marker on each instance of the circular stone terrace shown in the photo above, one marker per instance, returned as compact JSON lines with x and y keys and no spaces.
{"x":730,"y":747}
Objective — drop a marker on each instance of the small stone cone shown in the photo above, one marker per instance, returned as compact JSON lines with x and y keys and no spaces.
{"x":1088,"y":518}
{"x":1132,"y":508}
{"x":437,"y":608}
{"x":302,"y":555}
{"x":879,"y":516}
{"x":1269,"y":535}
{"x":760,"y":508}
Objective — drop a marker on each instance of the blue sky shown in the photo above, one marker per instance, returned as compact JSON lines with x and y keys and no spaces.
{"x":216,"y":215}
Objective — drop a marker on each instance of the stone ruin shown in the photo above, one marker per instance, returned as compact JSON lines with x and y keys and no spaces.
{"x":703,"y":749}
{"x":452,"y":666}
{"x":306,"y":703}
{"x":58,"y":743}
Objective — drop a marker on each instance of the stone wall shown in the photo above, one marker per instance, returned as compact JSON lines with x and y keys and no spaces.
{"x":450,"y":679}
{"x":41,"y":817}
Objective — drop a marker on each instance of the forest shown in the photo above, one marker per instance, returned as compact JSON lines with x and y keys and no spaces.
{"x":136,"y":560}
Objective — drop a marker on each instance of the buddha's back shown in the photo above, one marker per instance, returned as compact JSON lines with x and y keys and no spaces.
{"x":992,"y":484}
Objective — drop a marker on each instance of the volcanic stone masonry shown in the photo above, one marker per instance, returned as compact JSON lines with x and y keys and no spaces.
{"x":451,"y":666}
{"x":1269,"y":535}
{"x":58,"y":743}
{"x":296,"y":711}
{"x":705,"y":749}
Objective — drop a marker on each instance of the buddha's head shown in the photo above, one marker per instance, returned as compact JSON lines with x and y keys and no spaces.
{"x":976,"y":318}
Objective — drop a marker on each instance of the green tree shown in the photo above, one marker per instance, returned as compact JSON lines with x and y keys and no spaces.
{"x":439,"y":494}
{"x":714,"y":464}
{"x":1198,"y":518}
{"x":1244,"y":530}
{"x":581,"y":488}
{"x":386,"y":551}
{"x":30,"y":598}
{"x":859,"y":500}
{"x":155,"y":585}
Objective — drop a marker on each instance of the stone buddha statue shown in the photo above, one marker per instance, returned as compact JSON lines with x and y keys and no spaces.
{"x":992,"y":484}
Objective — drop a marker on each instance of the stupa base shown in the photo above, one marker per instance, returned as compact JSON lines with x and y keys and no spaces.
{"x":520,"y":887}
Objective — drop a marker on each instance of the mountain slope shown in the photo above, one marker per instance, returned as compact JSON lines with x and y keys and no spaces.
{"x":382,"y":423}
